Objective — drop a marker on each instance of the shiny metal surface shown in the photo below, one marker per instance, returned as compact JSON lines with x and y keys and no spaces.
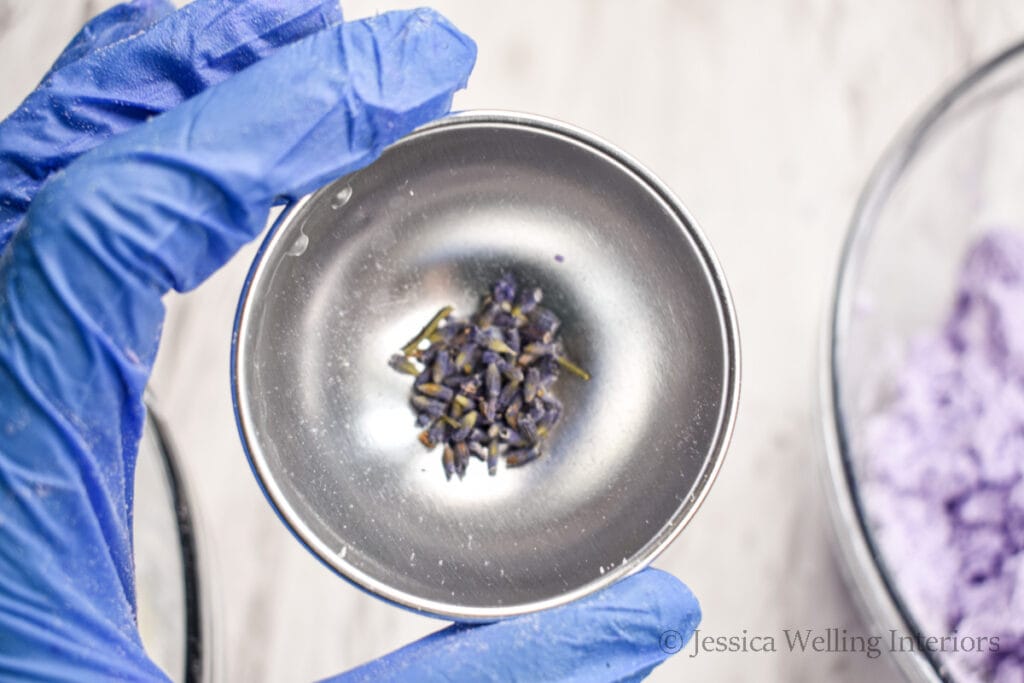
{"x":349,"y":273}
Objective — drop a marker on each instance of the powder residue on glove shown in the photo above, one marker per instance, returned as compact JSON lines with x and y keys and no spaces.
{"x":943,"y":483}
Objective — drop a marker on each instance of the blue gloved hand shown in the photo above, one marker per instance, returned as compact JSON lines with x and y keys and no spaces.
{"x":150,"y":153}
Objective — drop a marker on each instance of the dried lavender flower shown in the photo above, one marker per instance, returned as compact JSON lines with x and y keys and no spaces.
{"x":442,"y":366}
{"x":403,"y":364}
{"x":522,"y":456}
{"x":437,"y":391}
{"x":482,"y":386}
{"x":493,"y":381}
{"x":429,"y":406}
{"x":531,"y":385}
{"x":528,"y":428}
{"x":508,"y":393}
{"x":504,"y":290}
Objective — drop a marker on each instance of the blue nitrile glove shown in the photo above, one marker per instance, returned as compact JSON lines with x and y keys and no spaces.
{"x":263,"y":100}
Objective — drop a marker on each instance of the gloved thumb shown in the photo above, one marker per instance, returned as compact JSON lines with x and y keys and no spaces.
{"x":619,"y":634}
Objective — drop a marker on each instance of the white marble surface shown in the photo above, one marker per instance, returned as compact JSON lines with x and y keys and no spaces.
{"x":765,"y":116}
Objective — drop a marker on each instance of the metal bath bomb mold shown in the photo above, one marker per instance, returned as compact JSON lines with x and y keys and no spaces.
{"x":347,"y":273}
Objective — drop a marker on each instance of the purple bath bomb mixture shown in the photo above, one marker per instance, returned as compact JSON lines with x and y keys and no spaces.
{"x":943,"y":477}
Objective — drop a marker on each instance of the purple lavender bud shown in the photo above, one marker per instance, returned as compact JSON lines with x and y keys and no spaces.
{"x":422,"y":378}
{"x":513,"y":340}
{"x":489,"y":409}
{"x":513,"y":374}
{"x":531,"y":295}
{"x":512,"y":412}
{"x":505,"y":320}
{"x":499,"y":346}
{"x":448,"y":460}
{"x":548,"y":419}
{"x":526,"y":359}
{"x":462,"y":403}
{"x":529,"y":298}
{"x":542,"y":327}
{"x":508,"y":392}
{"x":511,"y":437}
{"x":486,"y":317}
{"x":489,"y":357}
{"x":422,"y":419}
{"x":402,"y":364}
{"x":537,"y":410}
{"x":437,"y":432}
{"x":461,"y":458}
{"x":554,"y":407}
{"x":520,"y":457}
{"x":478,"y":336}
{"x":442,"y":367}
{"x":465,"y":426}
{"x":528,"y":428}
{"x":504,"y":289}
{"x":455,"y":381}
{"x":451,"y":330}
{"x":549,"y":368}
{"x":531,"y":384}
{"x":429,"y":406}
{"x":466,"y":357}
{"x":492,"y":457}
{"x":492,"y":380}
{"x":546,"y":320}
{"x":477,"y":435}
{"x":539,"y":349}
{"x":438,"y":391}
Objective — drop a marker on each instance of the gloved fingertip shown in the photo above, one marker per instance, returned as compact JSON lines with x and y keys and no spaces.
{"x":444,"y":42}
{"x":398,"y":70}
{"x":418,"y":53}
{"x":669,"y":601}
{"x":652,"y":614}
{"x":619,"y":634}
{"x":113,"y":25}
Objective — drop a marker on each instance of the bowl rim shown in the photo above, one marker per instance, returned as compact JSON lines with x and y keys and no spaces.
{"x":729,"y":330}
{"x":877,"y":594}
{"x":201,"y":635}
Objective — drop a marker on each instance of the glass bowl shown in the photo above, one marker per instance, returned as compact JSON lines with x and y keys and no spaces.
{"x":952,"y":176}
{"x":172,"y":589}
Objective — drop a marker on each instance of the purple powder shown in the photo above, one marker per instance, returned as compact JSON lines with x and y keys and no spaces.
{"x":943,"y":484}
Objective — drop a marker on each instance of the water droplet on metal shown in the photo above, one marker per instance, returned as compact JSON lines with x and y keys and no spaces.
{"x":299,"y":246}
{"x":341,"y":199}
